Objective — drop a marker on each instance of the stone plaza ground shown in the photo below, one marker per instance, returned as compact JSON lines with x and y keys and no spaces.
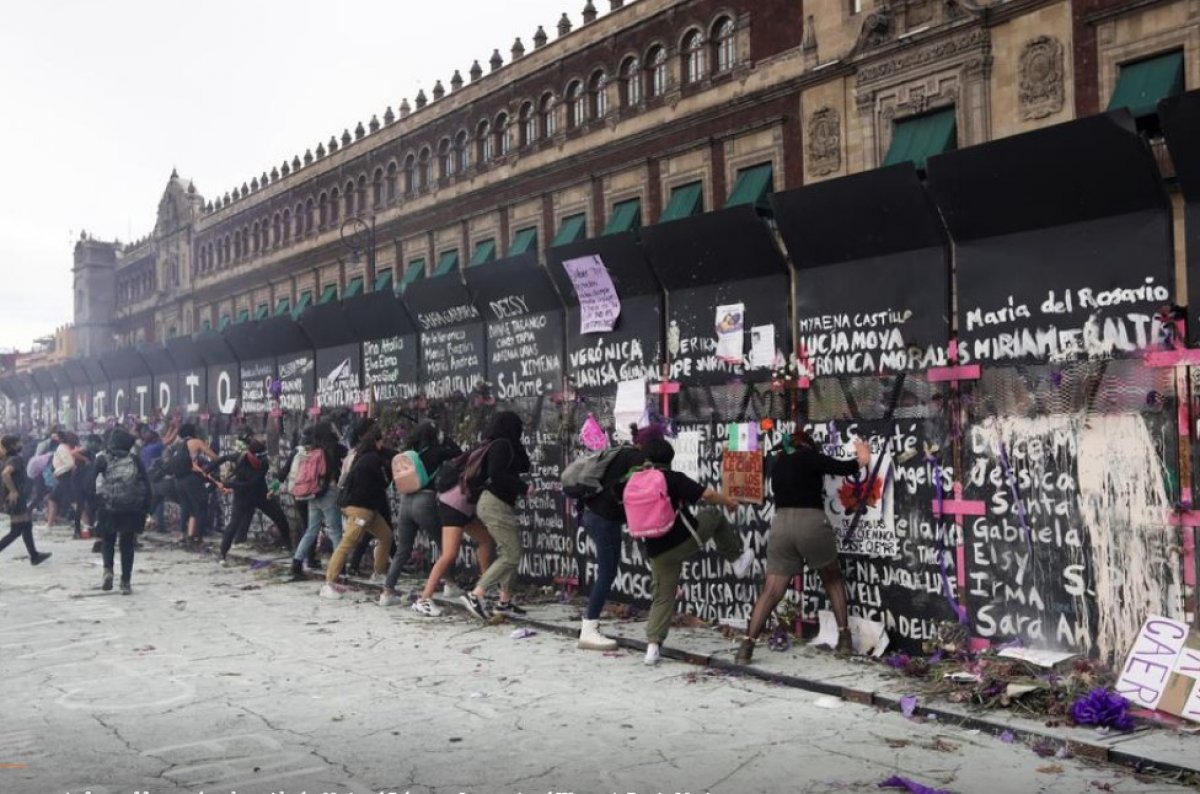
{"x":221,"y":680}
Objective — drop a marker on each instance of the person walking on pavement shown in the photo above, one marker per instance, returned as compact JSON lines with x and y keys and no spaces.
{"x":123,"y":498}
{"x":14,"y":501}
{"x":602,"y":517}
{"x":506,"y":460}
{"x":68,"y":455}
{"x":287,"y":475}
{"x":364,"y":505}
{"x":801,"y":535}
{"x":687,"y":537}
{"x":324,"y":506}
{"x":419,"y":511}
{"x":249,"y":486}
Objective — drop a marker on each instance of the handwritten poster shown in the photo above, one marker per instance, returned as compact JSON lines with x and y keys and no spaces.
{"x":762,"y":346}
{"x":630,"y":407}
{"x":875,"y":533}
{"x":1162,"y":670}
{"x":687,"y":453}
{"x":742,"y":476}
{"x":599,"y":305}
{"x":731,"y":332}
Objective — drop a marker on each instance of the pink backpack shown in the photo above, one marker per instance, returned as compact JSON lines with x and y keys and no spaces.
{"x":311,"y":475}
{"x":648,"y":509}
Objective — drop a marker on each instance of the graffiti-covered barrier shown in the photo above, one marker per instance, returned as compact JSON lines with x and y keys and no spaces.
{"x":873,"y":299}
{"x":1070,"y":440}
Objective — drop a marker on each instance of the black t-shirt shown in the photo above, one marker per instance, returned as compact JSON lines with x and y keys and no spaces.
{"x":797,"y":477}
{"x":607,"y":503}
{"x":432,"y":459}
{"x":505,"y":463}
{"x":20,"y":481}
{"x":368,"y":483}
{"x":684,"y":491}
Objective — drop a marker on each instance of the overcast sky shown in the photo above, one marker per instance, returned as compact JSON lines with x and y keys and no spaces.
{"x":100,"y":100}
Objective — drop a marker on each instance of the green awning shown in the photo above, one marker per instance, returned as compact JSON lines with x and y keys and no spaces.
{"x":283,"y":306}
{"x":262,"y":312}
{"x":753,"y":186}
{"x":1142,"y":84}
{"x":686,"y":201}
{"x":302,"y":304}
{"x":573,"y":229}
{"x":383,"y":281}
{"x":355,"y":287}
{"x":626,"y":216}
{"x":415,"y":270}
{"x":524,"y":241}
{"x":485,"y":251}
{"x":917,"y":139}
{"x":328,"y":294}
{"x":243,"y":316}
{"x":447,"y":263}
{"x":225,"y":321}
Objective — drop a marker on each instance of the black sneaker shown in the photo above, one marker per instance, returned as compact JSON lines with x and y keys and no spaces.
{"x":41,"y":557}
{"x":108,"y":579}
{"x":126,"y":588}
{"x":508,"y":608}
{"x":475,"y":606}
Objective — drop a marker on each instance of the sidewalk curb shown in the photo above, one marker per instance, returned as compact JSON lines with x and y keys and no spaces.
{"x":1081,"y":747}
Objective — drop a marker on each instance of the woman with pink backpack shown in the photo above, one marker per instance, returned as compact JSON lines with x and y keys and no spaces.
{"x":656,"y":509}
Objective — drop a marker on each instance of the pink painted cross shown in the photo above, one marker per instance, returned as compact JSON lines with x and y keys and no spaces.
{"x":955,"y":372}
{"x":959,"y":507}
{"x":665,"y":390}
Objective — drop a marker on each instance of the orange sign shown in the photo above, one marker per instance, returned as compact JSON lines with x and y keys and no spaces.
{"x":742,"y":476}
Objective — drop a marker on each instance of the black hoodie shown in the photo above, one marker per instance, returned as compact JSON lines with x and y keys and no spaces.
{"x":507,"y":459}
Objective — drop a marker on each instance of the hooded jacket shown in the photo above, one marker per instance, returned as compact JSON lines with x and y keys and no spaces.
{"x":507,"y":459}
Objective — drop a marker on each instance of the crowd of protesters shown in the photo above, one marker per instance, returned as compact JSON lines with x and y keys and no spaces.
{"x":115,"y":485}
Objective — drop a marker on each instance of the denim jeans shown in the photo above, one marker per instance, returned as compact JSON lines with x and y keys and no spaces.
{"x":323,"y":509}
{"x":606,"y":535}
{"x":418,"y":511}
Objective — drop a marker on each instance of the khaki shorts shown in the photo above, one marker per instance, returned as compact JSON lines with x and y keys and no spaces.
{"x":799,"y":535}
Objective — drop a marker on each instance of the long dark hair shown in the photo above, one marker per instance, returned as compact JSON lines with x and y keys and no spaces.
{"x":423,"y":436}
{"x":368,"y":440}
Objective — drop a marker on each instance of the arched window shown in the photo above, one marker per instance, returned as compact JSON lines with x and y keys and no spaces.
{"x":299,"y":219}
{"x":334,"y":205}
{"x":546,"y":111}
{"x":323,"y":210}
{"x":254,"y":238}
{"x":527,"y":125}
{"x":276,"y":230}
{"x":693,"y":57}
{"x":237,"y":245}
{"x":228,"y":258}
{"x":361,"y":201}
{"x":631,"y":81}
{"x":500,"y":145}
{"x":423,"y":167}
{"x":287,"y":225}
{"x":445,"y":159}
{"x":462,"y":151}
{"x":391,"y":181}
{"x":573,"y":100}
{"x":410,"y":174}
{"x":310,"y":208}
{"x":656,"y":66}
{"x":246,"y":241}
{"x":483,"y":141}
{"x":724,"y":49}
{"x":598,"y":95}
{"x":348,"y":198}
{"x":266,"y":233}
{"x":377,"y":188}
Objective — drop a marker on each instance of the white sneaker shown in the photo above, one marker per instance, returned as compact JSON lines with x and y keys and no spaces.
{"x":652,"y":654}
{"x":451,"y":590}
{"x":224,"y":563}
{"x":389,"y":599}
{"x":329,"y":591}
{"x":741,"y":566}
{"x":426,"y":607}
{"x":377,"y":579}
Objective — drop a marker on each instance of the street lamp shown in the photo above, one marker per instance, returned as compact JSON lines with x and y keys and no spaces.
{"x":358,"y":235}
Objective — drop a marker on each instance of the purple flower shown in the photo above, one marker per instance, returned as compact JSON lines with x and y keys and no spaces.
{"x":908,"y":705}
{"x":911,"y":786}
{"x":1102,"y":708}
{"x":897,"y":661}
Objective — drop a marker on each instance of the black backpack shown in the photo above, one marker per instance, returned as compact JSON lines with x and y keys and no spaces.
{"x":178,"y":459}
{"x":119,"y":488}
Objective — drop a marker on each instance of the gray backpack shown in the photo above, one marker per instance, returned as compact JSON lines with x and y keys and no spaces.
{"x":584,"y":476}
{"x":120,"y":486}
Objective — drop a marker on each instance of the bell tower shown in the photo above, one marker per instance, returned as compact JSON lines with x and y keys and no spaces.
{"x":95,"y":274}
